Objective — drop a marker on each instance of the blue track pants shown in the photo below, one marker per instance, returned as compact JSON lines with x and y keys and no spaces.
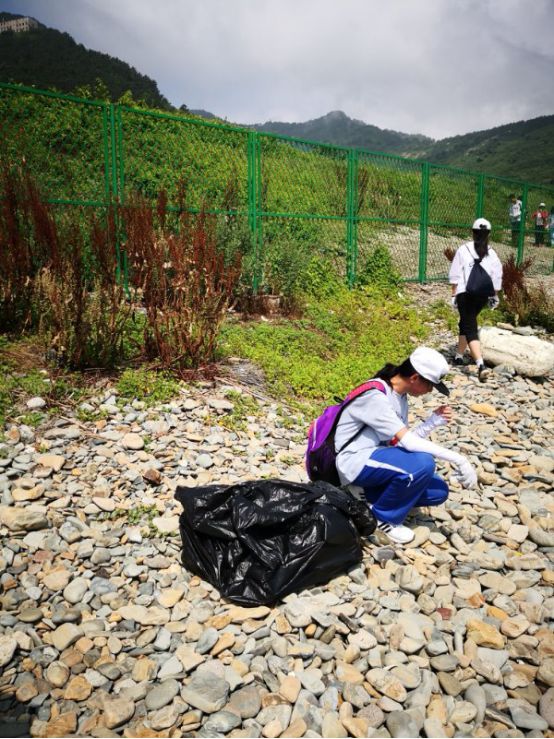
{"x":395,"y":481}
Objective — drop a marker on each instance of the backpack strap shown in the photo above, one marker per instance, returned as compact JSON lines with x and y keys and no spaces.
{"x":477,"y":260}
{"x":352,"y":395}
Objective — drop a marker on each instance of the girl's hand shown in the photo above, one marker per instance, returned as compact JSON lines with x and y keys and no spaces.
{"x":445,"y":411}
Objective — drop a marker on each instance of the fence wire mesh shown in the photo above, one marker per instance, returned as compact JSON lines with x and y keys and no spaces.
{"x":288,"y":205}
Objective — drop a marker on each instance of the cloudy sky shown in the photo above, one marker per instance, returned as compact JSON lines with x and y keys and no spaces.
{"x":437,"y":67}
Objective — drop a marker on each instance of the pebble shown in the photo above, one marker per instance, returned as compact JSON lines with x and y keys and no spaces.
{"x":161,"y":694}
{"x":206,"y":692}
{"x":103,"y":633}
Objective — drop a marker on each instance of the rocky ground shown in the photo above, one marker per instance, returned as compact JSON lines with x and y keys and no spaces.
{"x":102,"y":632}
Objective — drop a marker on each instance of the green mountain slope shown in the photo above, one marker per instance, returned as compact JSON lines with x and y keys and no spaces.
{"x":48,"y":59}
{"x":337,"y":128}
{"x":522,"y":150}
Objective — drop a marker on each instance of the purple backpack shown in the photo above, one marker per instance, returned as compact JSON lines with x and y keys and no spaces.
{"x":321,"y":455}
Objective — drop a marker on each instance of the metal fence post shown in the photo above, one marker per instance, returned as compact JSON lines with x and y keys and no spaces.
{"x":253,"y":171}
{"x":480,"y":196}
{"x":352,"y":217}
{"x":114,"y":191}
{"x":423,"y":221}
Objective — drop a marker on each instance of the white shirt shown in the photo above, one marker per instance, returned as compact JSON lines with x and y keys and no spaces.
{"x":515,"y":211}
{"x":463,"y":262}
{"x":378,"y":417}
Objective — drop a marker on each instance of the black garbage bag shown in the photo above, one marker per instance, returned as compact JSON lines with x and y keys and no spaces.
{"x":257,"y":541}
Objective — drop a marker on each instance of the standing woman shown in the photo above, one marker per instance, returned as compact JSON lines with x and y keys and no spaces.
{"x":476,"y":278}
{"x":395,"y":465}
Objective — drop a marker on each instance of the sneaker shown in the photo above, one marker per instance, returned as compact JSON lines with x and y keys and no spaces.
{"x":398,"y":534}
{"x":459,"y":361}
{"x":484,"y":373}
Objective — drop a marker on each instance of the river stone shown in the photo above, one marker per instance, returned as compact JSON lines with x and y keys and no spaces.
{"x":132,"y":441}
{"x":484,"y":634}
{"x":66,"y":635}
{"x":332,"y":728}
{"x":387,"y":684}
{"x":152,"y":616}
{"x":78,"y":689}
{"x":117,"y":711}
{"x":476,"y":695}
{"x":246,"y":702}
{"x":206,"y":692}
{"x":57,"y":674}
{"x":57,"y":579}
{"x":30,"y":615}
{"x":401,"y":724}
{"x":23,"y":519}
{"x":8,"y":645}
{"x":34,"y":404}
{"x":161,"y":694}
{"x":222,"y":722}
{"x":546,"y":672}
{"x":546,"y":707}
{"x":525,"y":717}
{"x":54,"y":461}
{"x":76,"y":589}
{"x":163,"y":718}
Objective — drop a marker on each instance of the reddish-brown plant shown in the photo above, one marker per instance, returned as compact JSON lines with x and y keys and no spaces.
{"x":16,"y":252}
{"x":513,"y":276}
{"x":185,"y":283}
{"x":83,"y":307}
{"x":449,"y":252}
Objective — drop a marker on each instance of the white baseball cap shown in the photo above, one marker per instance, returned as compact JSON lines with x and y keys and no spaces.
{"x":541,"y":205}
{"x":432,"y":366}
{"x":481,"y":224}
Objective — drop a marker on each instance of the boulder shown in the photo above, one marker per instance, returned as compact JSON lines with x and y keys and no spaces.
{"x":528,"y":355}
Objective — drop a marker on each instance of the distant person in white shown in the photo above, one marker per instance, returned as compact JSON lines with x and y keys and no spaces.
{"x":515,"y":217}
{"x":393,"y":464}
{"x":470,"y":298}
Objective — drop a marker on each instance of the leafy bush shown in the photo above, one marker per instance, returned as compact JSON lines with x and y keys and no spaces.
{"x":378,"y":270}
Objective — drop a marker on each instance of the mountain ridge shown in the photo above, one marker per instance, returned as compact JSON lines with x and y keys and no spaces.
{"x":521,"y":150}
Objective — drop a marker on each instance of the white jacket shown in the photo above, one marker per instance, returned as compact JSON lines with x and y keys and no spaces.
{"x":463,"y":262}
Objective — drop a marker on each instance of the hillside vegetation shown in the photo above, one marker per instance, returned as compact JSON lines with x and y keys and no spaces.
{"x":49,"y":59}
{"x":520,"y":150}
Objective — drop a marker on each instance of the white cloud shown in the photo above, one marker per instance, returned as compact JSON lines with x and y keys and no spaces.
{"x":438,"y":67}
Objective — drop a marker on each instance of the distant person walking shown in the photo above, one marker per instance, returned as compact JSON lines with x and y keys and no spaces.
{"x":476,"y":278}
{"x":515,"y":217}
{"x":540,"y":217}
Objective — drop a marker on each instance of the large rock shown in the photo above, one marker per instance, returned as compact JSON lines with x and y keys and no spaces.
{"x":23,"y":519}
{"x":528,"y":355}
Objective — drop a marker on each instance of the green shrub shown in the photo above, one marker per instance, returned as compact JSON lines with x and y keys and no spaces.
{"x":378,"y":270}
{"x":340,"y":341}
{"x":147,"y":386}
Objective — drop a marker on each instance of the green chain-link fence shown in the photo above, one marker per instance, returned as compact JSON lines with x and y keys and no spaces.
{"x":297,"y":198}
